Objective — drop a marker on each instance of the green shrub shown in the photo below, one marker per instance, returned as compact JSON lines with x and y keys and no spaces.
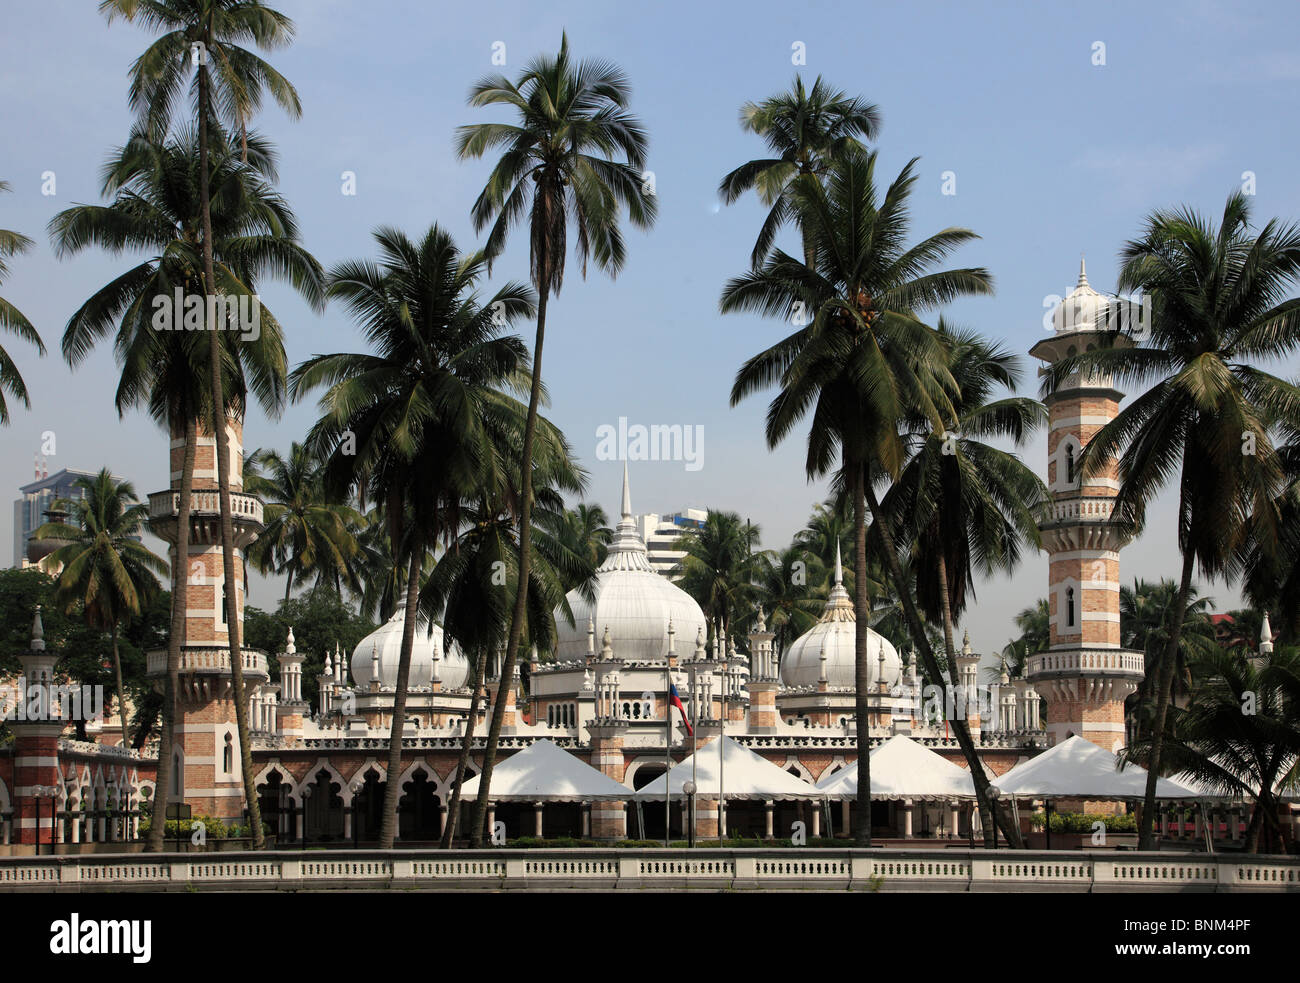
{"x":215,"y":829}
{"x":1082,"y":822}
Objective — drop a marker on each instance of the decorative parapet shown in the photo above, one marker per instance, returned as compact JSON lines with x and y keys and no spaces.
{"x":1086,"y":661}
{"x":203,"y":502}
{"x":208,"y":659}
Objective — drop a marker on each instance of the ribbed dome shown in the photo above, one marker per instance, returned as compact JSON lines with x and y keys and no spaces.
{"x":801,"y":664}
{"x":632,"y":601}
{"x":386,"y":641}
{"x":1082,"y":308}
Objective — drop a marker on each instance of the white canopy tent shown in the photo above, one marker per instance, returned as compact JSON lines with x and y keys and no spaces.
{"x":903,"y":769}
{"x":545,"y":772}
{"x":745,"y":775}
{"x":1079,"y":769}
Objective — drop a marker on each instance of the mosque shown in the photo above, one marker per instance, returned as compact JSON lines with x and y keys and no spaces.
{"x":603,"y":694}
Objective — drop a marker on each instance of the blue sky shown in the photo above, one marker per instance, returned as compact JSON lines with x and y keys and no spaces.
{"x":1053,"y":157}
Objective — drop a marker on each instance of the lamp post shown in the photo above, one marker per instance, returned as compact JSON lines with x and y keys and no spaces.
{"x":306,"y":794}
{"x":356,"y":791}
{"x":689,"y":788}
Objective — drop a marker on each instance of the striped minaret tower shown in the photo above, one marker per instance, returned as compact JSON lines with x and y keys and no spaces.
{"x":206,"y":766}
{"x":1085,"y":674}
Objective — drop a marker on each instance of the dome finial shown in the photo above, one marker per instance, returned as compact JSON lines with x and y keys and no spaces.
{"x":839,"y":567}
{"x":627,"y":494}
{"x":699,"y":644}
{"x":965,"y":643}
{"x":672,"y":638}
{"x":606,"y":645}
{"x":1083,"y":272}
{"x":591,"y":636}
{"x":1265,"y":637}
{"x":289,"y":647}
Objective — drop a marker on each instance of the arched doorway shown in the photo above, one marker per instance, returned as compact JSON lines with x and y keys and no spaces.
{"x":369,"y":806}
{"x":420,"y":811}
{"x":651,"y":811}
{"x":323,"y":819}
{"x":273,"y":798}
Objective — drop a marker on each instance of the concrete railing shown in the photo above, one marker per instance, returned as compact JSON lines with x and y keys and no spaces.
{"x":206,"y":659}
{"x":636,"y":869}
{"x":242,"y":506}
{"x":1109,"y":661}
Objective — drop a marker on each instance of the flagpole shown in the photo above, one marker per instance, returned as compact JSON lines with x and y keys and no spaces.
{"x":722,"y":735}
{"x":695,"y":761}
{"x":668,"y":748}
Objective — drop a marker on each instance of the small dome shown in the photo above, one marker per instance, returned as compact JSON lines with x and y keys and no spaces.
{"x":834,"y":634}
{"x":386,"y":641}
{"x":633,"y":602}
{"x":1083,"y":309}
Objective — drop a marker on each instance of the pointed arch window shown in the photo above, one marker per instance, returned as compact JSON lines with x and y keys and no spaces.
{"x":1069,"y":607}
{"x":1069,"y":464}
{"x":228,"y":755}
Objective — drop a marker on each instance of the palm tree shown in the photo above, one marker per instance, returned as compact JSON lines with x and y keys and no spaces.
{"x":1145,"y":610}
{"x":583,"y":531}
{"x":1218,"y":301}
{"x":1271,"y":578}
{"x":12,"y":319}
{"x":556,"y":163}
{"x":155,"y":192}
{"x":1235,"y":753}
{"x":827,"y":534}
{"x":1035,"y":627}
{"x":860,"y":361}
{"x":103,"y":566}
{"x":963,"y":505}
{"x":306,"y":533}
{"x":780,"y":580}
{"x":412,"y":426}
{"x":718,"y":569}
{"x":466,"y":587}
{"x":805,"y":129}
{"x":227,"y":87}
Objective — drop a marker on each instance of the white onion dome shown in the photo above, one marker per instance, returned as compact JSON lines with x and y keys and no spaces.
{"x":385,"y":642}
{"x":1082,"y":307}
{"x":632,"y":602}
{"x":832,"y":638}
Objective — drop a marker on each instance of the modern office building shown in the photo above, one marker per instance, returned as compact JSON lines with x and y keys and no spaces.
{"x":661,"y":535}
{"x":35,"y":500}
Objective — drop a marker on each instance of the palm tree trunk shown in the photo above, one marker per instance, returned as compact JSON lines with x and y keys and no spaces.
{"x":393,"y":781}
{"x":959,"y":728}
{"x":175,"y":639}
{"x":233,"y":632}
{"x":288,"y":586}
{"x":121,"y":690}
{"x":950,"y":648}
{"x":525,"y":558}
{"x":1164,"y":686}
{"x":861,"y":660}
{"x":453,"y":807}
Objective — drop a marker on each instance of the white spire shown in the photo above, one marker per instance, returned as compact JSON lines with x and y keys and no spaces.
{"x":290,"y":648}
{"x":1265,"y":637}
{"x":627,"y":494}
{"x":965,"y":644}
{"x":38,"y":632}
{"x":700,"y":654}
{"x":672,"y":638}
{"x":839,"y":567}
{"x":591,"y":636}
{"x":1083,"y":273}
{"x":626,"y":549}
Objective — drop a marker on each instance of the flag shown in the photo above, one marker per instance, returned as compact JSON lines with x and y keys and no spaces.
{"x":676,"y":701}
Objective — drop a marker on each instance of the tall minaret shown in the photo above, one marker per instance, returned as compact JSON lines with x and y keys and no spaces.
{"x":1085,"y":674}
{"x":206,"y":765}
